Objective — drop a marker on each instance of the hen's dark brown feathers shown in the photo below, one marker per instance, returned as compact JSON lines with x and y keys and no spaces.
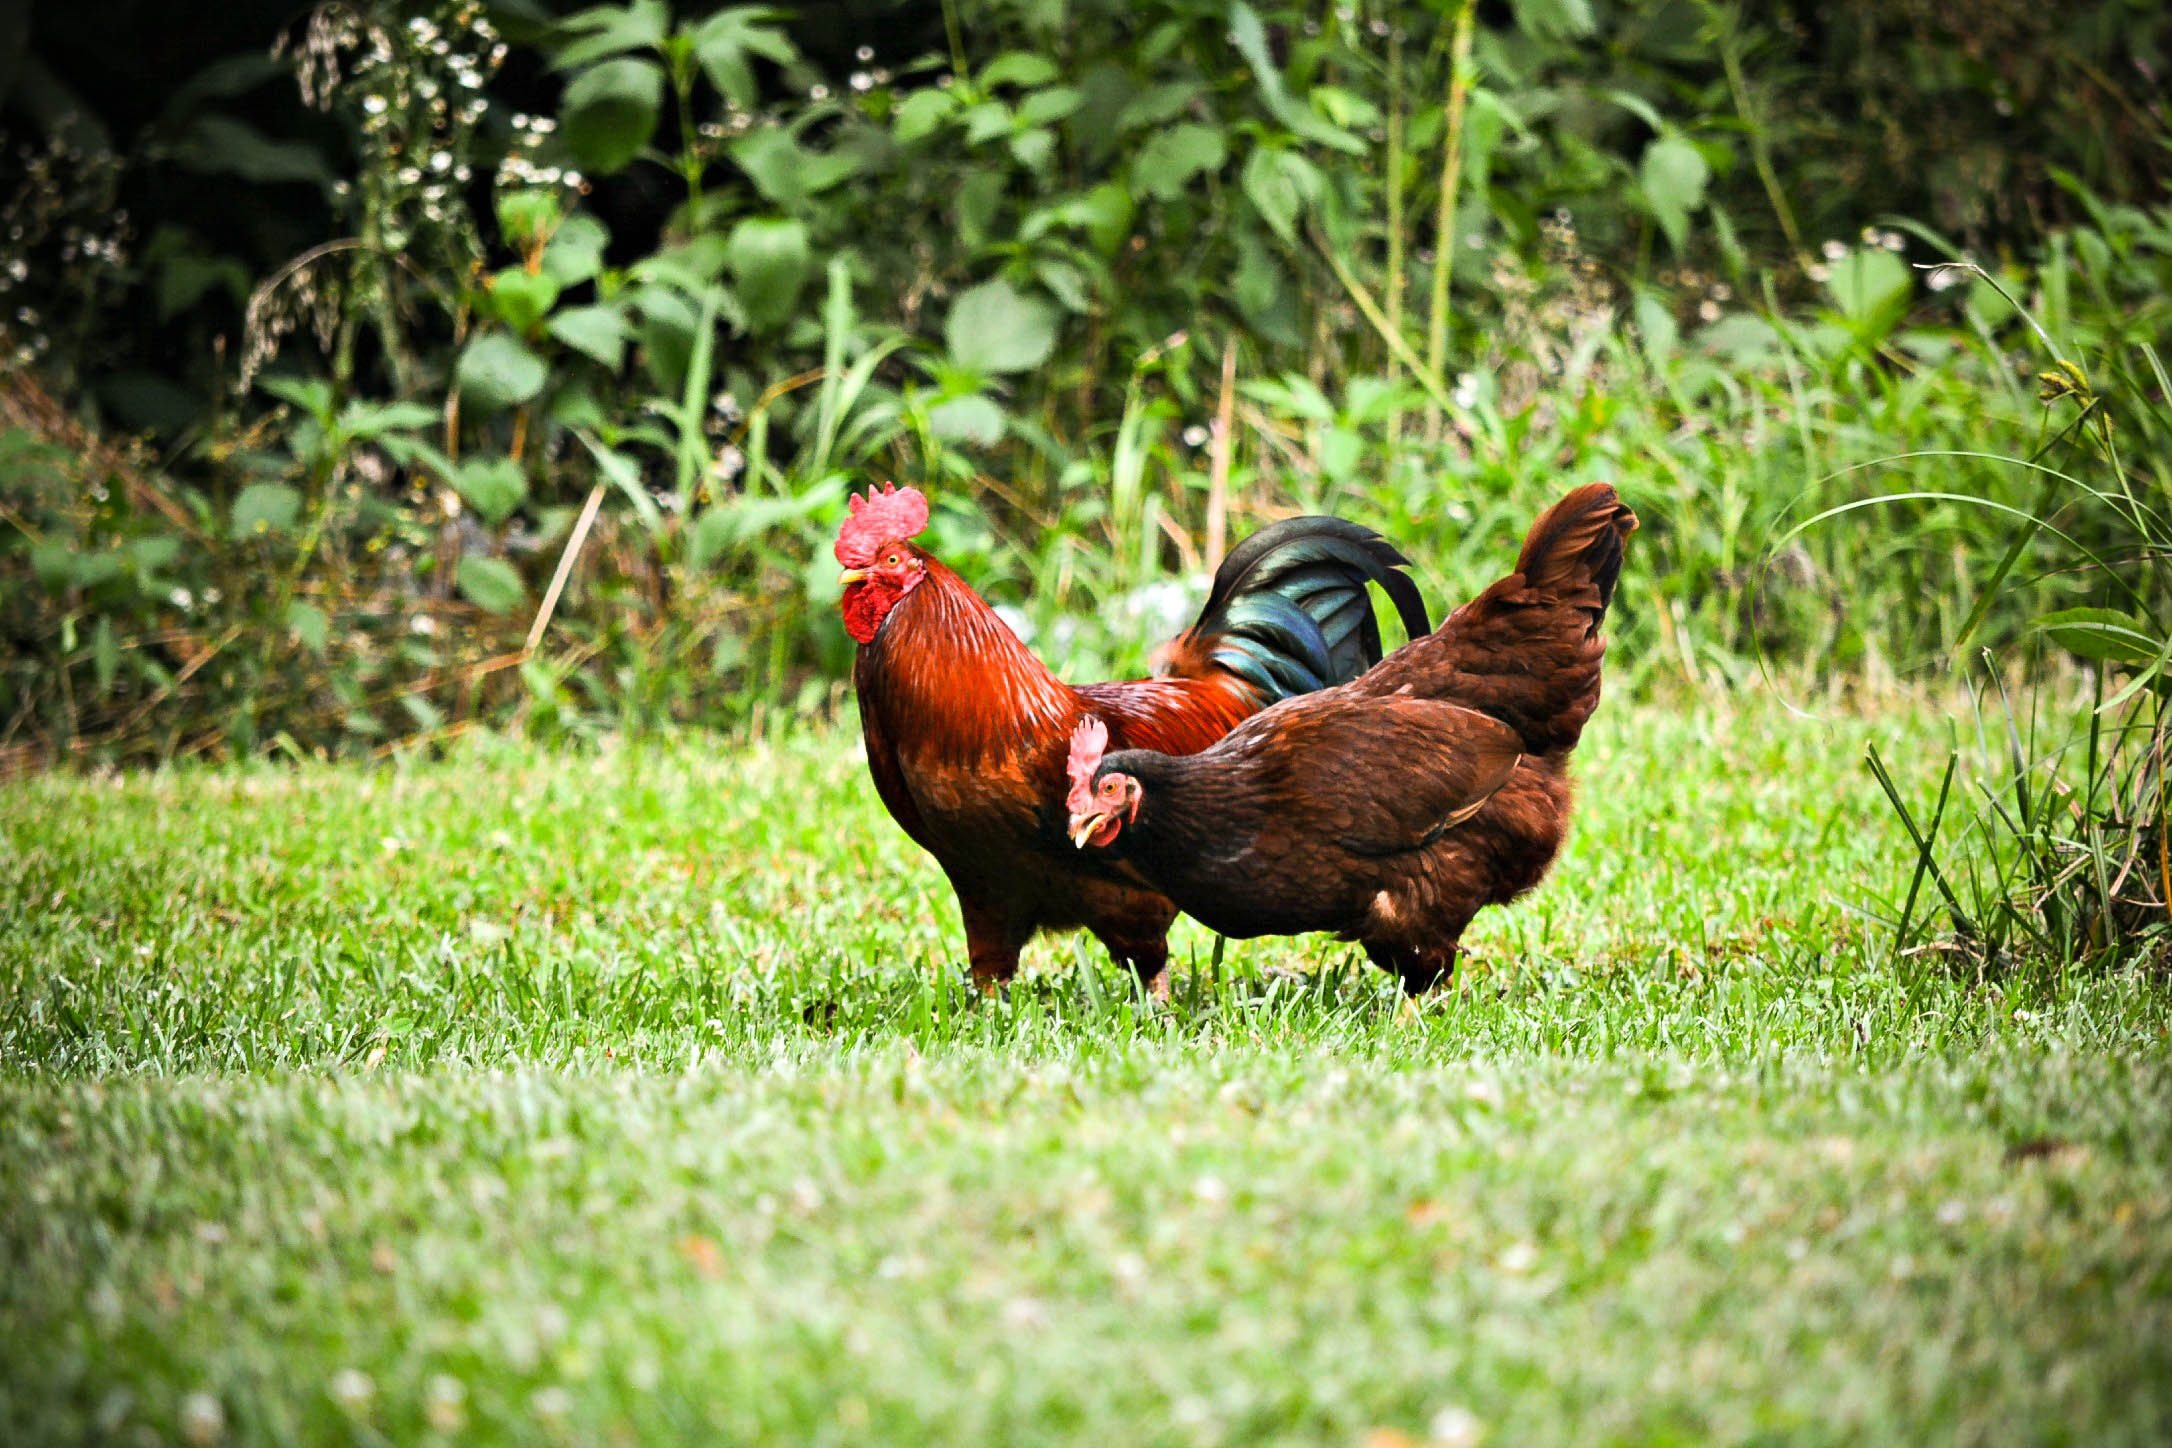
{"x":1391,"y":809}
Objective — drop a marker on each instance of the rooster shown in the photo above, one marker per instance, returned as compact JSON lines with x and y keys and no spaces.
{"x":968,"y":733}
{"x":1389,"y":809}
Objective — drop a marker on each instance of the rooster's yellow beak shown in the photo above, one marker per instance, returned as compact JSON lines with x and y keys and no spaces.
{"x":1082,"y":830}
{"x":851,"y":576}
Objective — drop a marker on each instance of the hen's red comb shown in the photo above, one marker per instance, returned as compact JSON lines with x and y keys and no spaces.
{"x":1088,"y":743}
{"x":879,"y":518}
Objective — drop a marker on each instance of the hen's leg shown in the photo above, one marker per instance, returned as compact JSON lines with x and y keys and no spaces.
{"x":992,"y":944}
{"x":1147,"y":954}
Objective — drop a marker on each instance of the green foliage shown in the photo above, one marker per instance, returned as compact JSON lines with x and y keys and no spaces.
{"x":1012,"y":273}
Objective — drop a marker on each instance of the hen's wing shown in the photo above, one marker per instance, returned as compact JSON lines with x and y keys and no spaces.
{"x":1382,"y":776}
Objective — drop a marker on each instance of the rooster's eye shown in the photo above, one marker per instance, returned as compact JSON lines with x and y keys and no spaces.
{"x":893,"y":560}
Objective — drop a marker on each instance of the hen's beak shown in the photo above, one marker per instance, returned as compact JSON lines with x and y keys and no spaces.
{"x":851,"y":576}
{"x":1083,"y":828}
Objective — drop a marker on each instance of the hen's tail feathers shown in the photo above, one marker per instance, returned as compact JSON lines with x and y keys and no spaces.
{"x":1527,"y":650}
{"x":1290,"y":613}
{"x":1572,"y":555}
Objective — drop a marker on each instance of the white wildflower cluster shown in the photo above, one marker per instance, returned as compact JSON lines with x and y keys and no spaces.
{"x":524,"y":163}
{"x":64,"y":230}
{"x":1833,"y":251}
{"x":413,"y":91}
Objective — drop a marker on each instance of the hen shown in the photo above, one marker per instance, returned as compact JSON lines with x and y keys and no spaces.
{"x":967,"y":732}
{"x":1390,"y":809}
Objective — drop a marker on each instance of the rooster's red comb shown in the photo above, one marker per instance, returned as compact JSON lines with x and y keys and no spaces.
{"x":879,"y":518}
{"x":1088,"y":743}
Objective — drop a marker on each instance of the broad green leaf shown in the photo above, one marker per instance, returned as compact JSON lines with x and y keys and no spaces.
{"x":53,"y":561}
{"x":995,"y":329}
{"x":574,"y":254}
{"x":307,"y":623}
{"x":767,"y":257}
{"x":1157,"y":105}
{"x":491,"y":584}
{"x":603,"y":30}
{"x":723,"y":42}
{"x":920,"y":113}
{"x":498,"y":371}
{"x":1167,"y":163}
{"x":312,"y":395}
{"x":973,"y":419}
{"x":2104,"y":634}
{"x":152,"y":554}
{"x":493,"y":487}
{"x":1554,"y":20}
{"x":1019,"y":68}
{"x":184,"y":278}
{"x":714,"y":532}
{"x":610,"y":112}
{"x":787,"y":172}
{"x":88,"y":570}
{"x":1033,"y":148}
{"x":370,"y":421}
{"x":1870,"y":284}
{"x":265,"y":508}
{"x":1674,"y":174}
{"x":1278,"y":184}
{"x":1250,"y":37}
{"x":1044,"y":106}
{"x":521,"y":298}
{"x":221,"y":145}
{"x":1106,"y":213}
{"x":668,"y":322}
{"x":599,"y":332}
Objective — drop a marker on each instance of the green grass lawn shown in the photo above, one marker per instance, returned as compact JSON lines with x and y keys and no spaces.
{"x":632,"y":1096}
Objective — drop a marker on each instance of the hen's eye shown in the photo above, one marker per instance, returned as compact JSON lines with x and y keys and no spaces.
{"x":893,"y":560}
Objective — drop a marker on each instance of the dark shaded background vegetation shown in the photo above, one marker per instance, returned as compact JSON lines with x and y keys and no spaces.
{"x":327,"y":328}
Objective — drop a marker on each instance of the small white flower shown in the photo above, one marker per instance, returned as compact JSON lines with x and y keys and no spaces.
{"x":1211,"y":1190}
{"x":352,"y":1389}
{"x":1518,"y":1257}
{"x":444,"y":1403}
{"x":551,"y":1403}
{"x":1835,"y":250}
{"x":1196,"y":436}
{"x":1952,"y":1213}
{"x":203,"y":1420}
{"x":1455,"y":1426}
